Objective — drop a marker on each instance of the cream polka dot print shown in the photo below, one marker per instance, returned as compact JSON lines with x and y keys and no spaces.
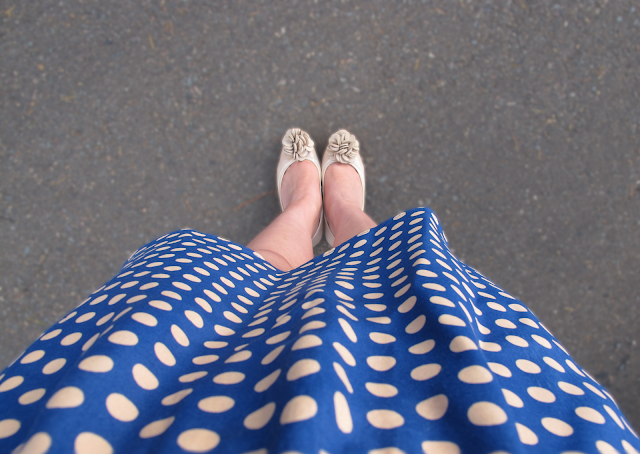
{"x":386,"y":344}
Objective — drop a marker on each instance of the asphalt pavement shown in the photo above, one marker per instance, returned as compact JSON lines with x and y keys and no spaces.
{"x":516,"y":121}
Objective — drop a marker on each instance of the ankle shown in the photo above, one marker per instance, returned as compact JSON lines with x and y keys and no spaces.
{"x":339,"y":209}
{"x":301,"y":182}
{"x":309,"y":204}
{"x":307,"y":198}
{"x":305,"y":212}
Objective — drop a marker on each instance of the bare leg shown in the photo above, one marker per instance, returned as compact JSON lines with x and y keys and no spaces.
{"x":342,"y":201}
{"x":286,"y":242}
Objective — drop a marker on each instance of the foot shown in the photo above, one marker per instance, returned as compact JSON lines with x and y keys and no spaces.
{"x":301,"y":187}
{"x":342,"y":193}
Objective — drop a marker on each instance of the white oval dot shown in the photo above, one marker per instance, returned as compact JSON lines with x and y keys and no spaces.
{"x":484,"y":330}
{"x":462,"y":344}
{"x":307,"y":341}
{"x":628,"y":448}
{"x":68,"y":397}
{"x":216,"y":344}
{"x":90,"y":443}
{"x":198,"y":440}
{"x":385,"y":419}
{"x":381,"y":338}
{"x":216,"y":404}
{"x":121,"y":408}
{"x":70,"y":339}
{"x":348,"y":330}
{"x":300,"y":408}
{"x":156,"y":428}
{"x":194,"y":318}
{"x":425,"y":372}
{"x":499,"y":369}
{"x":203,"y":304}
{"x":32,"y":396}
{"x":164,"y":355}
{"x":342,"y":375}
{"x":570,"y":389}
{"x":123,"y":338}
{"x":416,"y":325}
{"x":433,"y":408}
{"x":342,"y":412}
{"x":239,"y":357}
{"x":517,"y":341}
{"x":9,"y":427}
{"x":574,"y":367}
{"x":204,"y":359}
{"x":557,"y":427}
{"x":174,"y":398}
{"x":422,"y":347}
{"x":272,"y":355}
{"x":228,"y":378}
{"x":614,"y":416}
{"x":553,"y":363}
{"x":541,"y":340}
{"x":441,"y":301}
{"x":496,"y":307}
{"x":528,"y":366}
{"x":179,"y":335}
{"x":490,"y":346}
{"x":54,"y":366}
{"x":381,"y":363}
{"x":593,"y":389}
{"x":260,"y":418}
{"x":51,"y":335}
{"x":32,"y":357}
{"x":96,"y":363}
{"x":529,"y":322}
{"x":590,"y":414}
{"x":345,"y":354}
{"x":486,"y":414}
{"x":267,"y":381}
{"x":193,"y":376}
{"x":408,"y":304}
{"x":145,"y":319}
{"x":87,"y":345}
{"x":381,"y":389}
{"x":85,"y":317}
{"x":475,"y":375}
{"x":278,"y":338}
{"x":605,"y":448}
{"x":526,"y":435}
{"x":302,"y":368}
{"x":512,"y":398}
{"x":504,"y":323}
{"x":38,"y":444}
{"x":436,"y":447}
{"x":255,"y":332}
{"x":162,"y":305}
{"x":380,"y":320}
{"x":541,"y":394}
{"x":451,"y":320}
{"x":372,"y":296}
{"x":144,"y":377}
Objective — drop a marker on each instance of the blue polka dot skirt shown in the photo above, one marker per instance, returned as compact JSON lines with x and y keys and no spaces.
{"x":386,"y":344}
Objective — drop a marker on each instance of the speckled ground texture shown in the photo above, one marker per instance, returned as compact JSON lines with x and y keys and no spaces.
{"x":516,"y":121}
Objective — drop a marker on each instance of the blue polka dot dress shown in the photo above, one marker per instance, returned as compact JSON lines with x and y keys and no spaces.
{"x":386,"y":344}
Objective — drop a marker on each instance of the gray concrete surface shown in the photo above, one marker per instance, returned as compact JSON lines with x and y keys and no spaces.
{"x":516,"y":121}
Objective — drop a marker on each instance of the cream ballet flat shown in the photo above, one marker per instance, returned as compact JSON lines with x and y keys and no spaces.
{"x":344,"y":148}
{"x":298,"y":146}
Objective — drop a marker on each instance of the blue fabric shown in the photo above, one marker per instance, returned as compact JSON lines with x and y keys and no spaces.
{"x":383,"y":345}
